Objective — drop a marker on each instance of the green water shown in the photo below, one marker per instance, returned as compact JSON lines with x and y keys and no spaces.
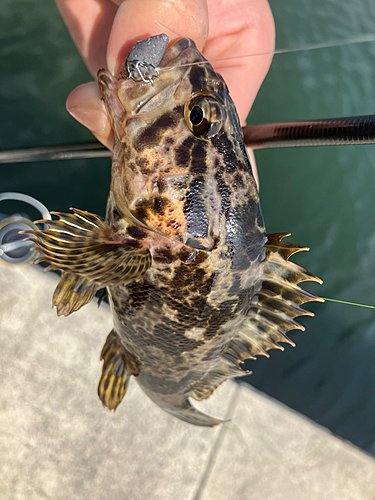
{"x":323,"y":196}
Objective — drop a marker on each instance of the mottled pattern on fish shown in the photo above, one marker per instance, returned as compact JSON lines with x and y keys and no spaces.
{"x":195,"y":284}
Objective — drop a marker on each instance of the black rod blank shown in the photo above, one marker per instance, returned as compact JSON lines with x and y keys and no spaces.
{"x":330,"y":132}
{"x":72,"y":152}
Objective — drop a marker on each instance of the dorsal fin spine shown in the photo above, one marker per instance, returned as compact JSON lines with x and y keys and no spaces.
{"x":273,"y":306}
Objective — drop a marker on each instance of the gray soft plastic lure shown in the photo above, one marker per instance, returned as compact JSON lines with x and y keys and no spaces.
{"x":144,"y":58}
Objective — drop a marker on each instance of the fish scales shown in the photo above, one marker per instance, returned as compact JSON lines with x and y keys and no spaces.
{"x":195,"y":284}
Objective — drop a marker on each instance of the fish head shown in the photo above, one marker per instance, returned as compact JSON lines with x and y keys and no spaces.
{"x":179,"y":163}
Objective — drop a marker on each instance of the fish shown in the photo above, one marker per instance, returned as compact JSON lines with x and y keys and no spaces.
{"x":195,"y":283}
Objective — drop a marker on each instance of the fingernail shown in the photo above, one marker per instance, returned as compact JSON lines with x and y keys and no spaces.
{"x":111,"y":64}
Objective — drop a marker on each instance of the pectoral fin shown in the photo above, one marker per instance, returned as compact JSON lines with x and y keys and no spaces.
{"x":72,"y":293}
{"x":84,"y":244}
{"x":118,"y":366}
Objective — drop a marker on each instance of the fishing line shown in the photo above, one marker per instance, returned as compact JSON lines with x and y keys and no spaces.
{"x":365,"y":38}
{"x":347,"y":303}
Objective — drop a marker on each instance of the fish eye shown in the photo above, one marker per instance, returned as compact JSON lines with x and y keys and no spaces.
{"x":196,"y":115}
{"x":204,"y":116}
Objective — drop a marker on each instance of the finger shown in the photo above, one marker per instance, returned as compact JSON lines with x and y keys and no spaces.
{"x":85,"y":105}
{"x":248,"y":29}
{"x":89,"y":23}
{"x":175,"y":18}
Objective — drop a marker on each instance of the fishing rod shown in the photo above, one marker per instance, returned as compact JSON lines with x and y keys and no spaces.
{"x":353,"y":130}
{"x":328,"y":132}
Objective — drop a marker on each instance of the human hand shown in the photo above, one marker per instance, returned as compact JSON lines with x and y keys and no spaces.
{"x":105,"y":30}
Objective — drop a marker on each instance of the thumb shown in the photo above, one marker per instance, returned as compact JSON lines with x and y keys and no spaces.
{"x":137,"y":20}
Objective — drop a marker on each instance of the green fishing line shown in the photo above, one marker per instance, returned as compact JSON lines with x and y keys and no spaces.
{"x":348,"y":303}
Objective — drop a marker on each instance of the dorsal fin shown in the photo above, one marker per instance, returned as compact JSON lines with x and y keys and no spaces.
{"x":268,"y":317}
{"x":273,"y":308}
{"x":277,"y":266}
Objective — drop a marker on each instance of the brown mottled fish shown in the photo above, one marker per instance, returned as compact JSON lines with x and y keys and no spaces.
{"x":195,"y":283}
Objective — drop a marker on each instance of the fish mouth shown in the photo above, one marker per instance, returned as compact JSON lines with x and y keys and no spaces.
{"x":181,"y":53}
{"x":143,"y":97}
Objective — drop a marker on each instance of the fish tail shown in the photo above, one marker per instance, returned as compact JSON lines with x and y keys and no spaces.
{"x":180,"y":407}
{"x":188,"y":413}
